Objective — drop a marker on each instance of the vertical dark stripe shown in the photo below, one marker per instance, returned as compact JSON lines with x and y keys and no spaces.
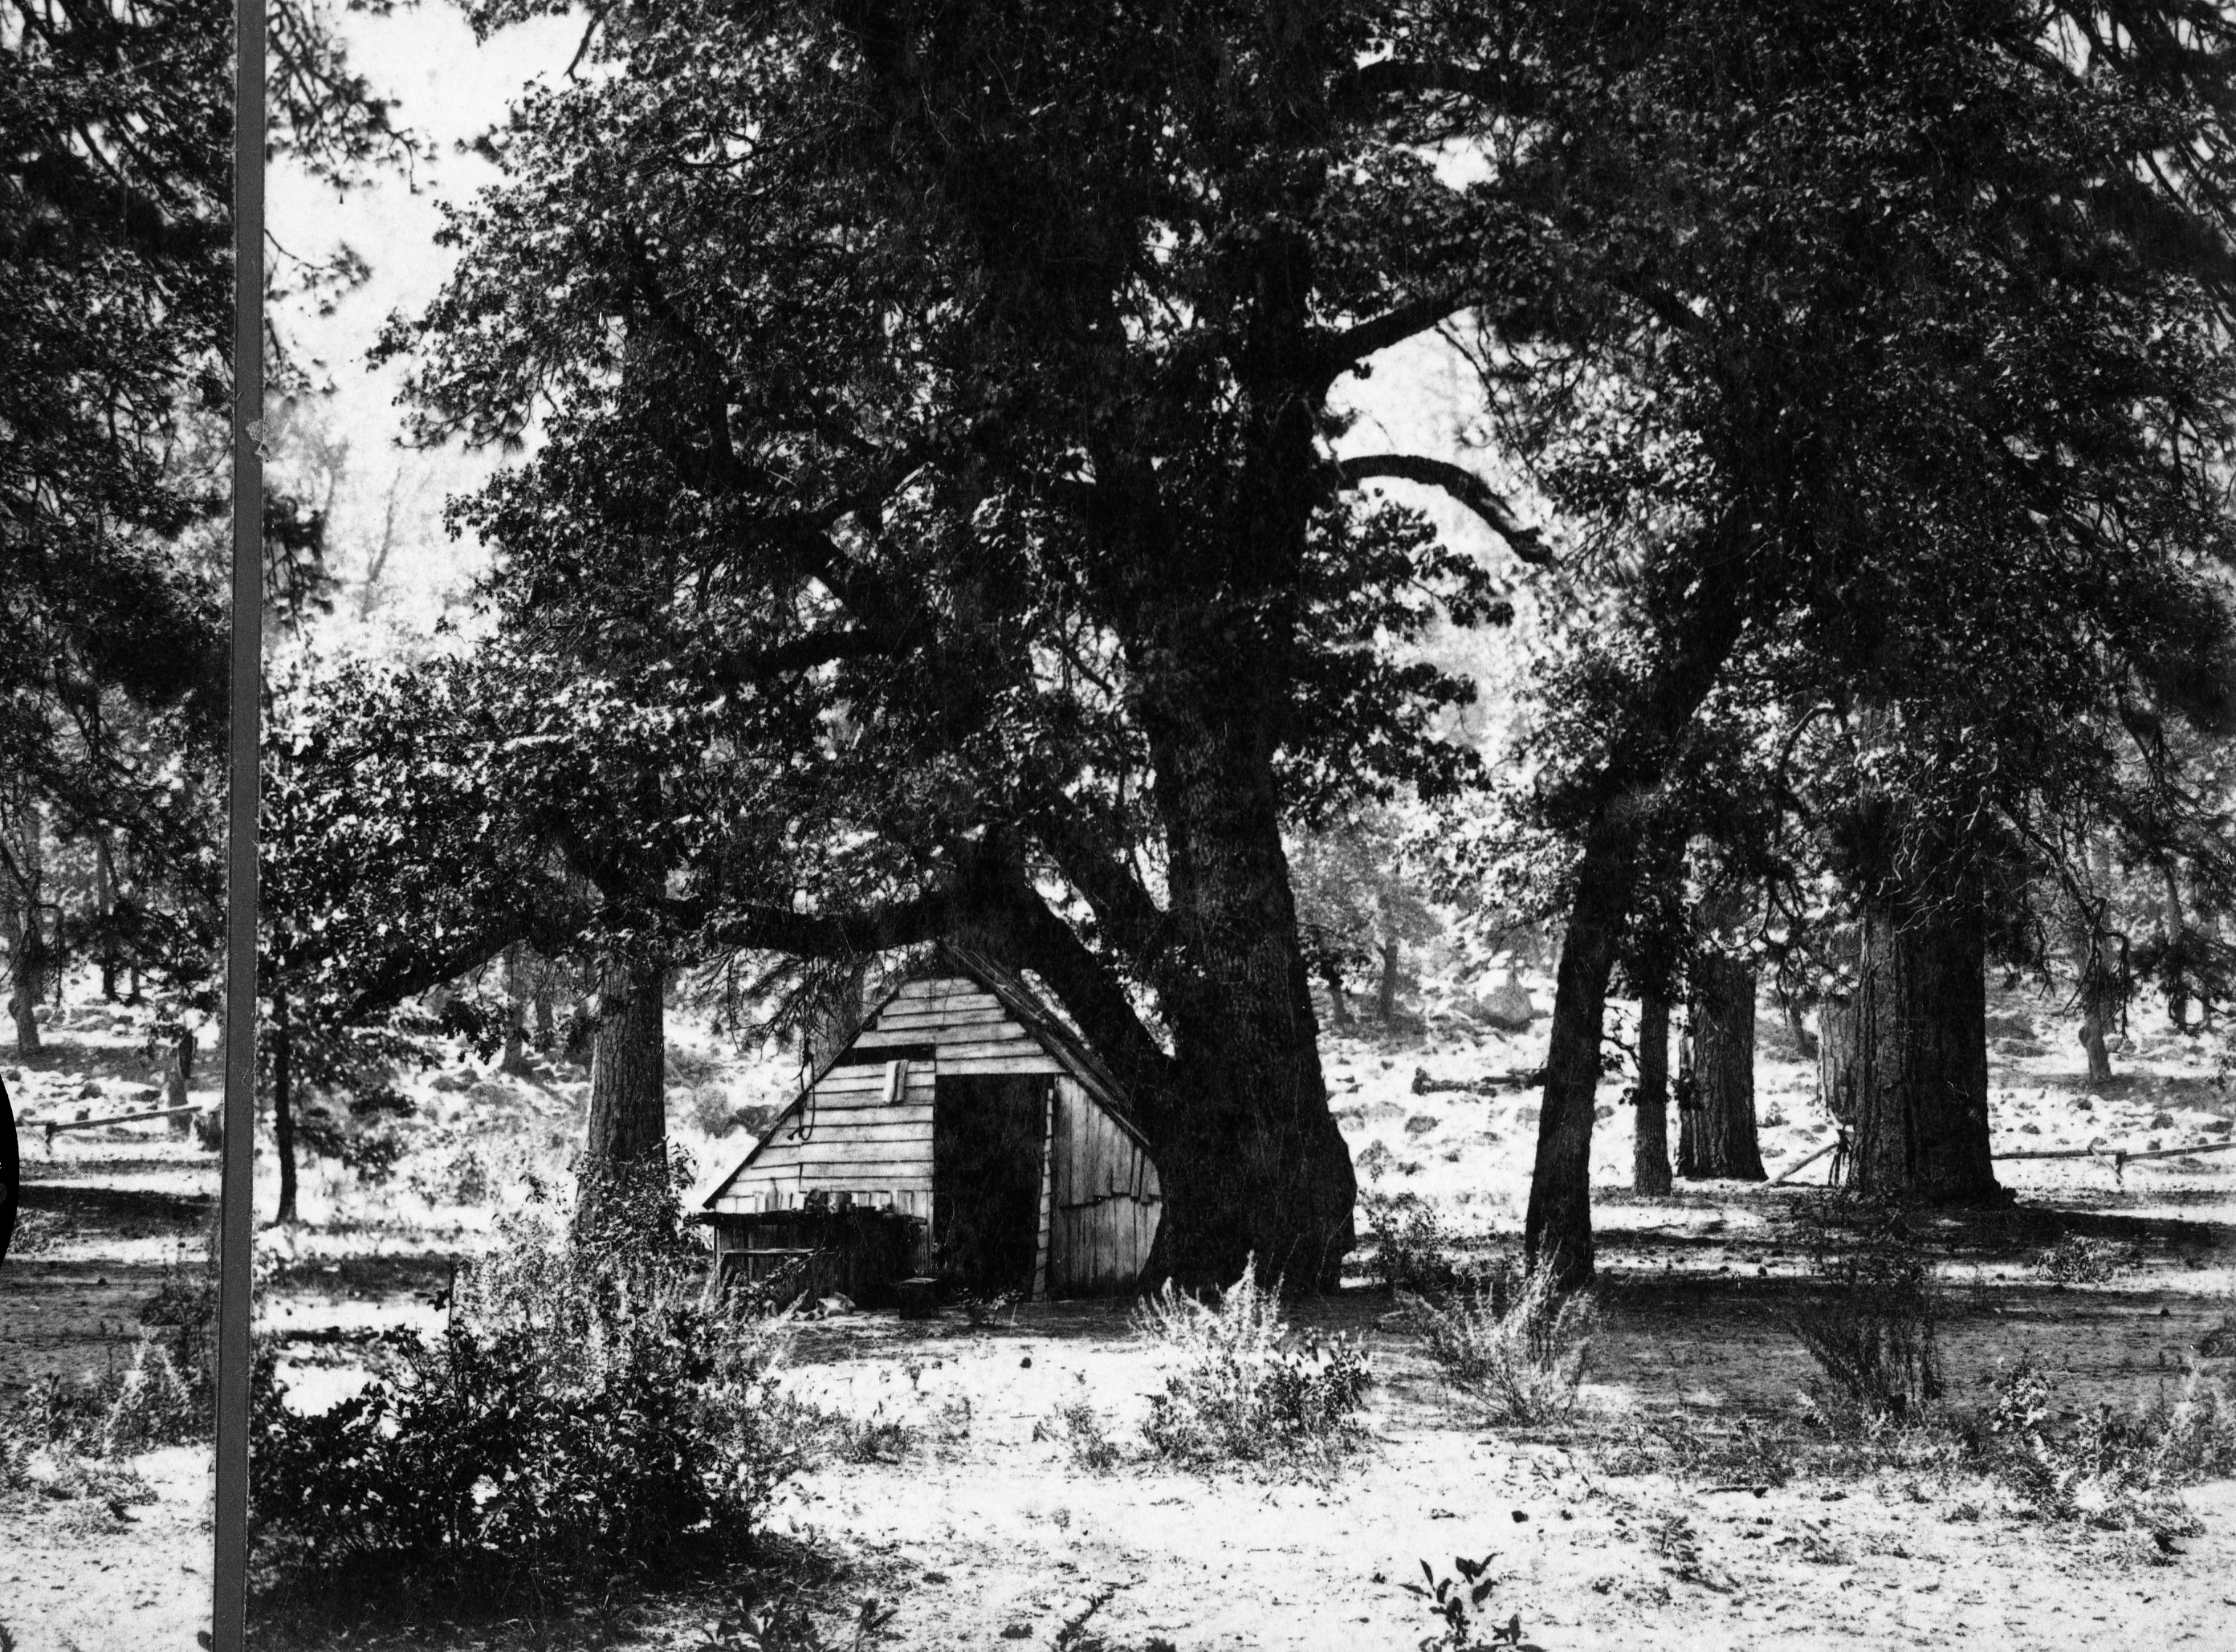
{"x":230,"y":1567}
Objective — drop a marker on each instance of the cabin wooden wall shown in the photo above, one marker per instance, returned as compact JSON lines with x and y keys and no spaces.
{"x":1108,"y":1199}
{"x":1103,"y":1187}
{"x":975,"y":1033}
{"x":856,"y":1143}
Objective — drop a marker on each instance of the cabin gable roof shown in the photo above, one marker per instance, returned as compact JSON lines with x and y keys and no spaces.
{"x":1018,"y":1000}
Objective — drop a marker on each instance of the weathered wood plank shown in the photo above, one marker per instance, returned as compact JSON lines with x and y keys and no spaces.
{"x":930,"y":1017}
{"x":1031,"y":1059}
{"x":881,"y":1125}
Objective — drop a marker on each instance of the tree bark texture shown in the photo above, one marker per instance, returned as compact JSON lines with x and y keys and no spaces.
{"x":1903,"y":1062}
{"x":1557,"y":1230}
{"x":1251,"y":1158}
{"x":1649,"y":1153}
{"x":28,"y":965}
{"x":283,"y":1104}
{"x":627,"y":1126}
{"x":1716,"y":1133}
{"x":11,"y":1171}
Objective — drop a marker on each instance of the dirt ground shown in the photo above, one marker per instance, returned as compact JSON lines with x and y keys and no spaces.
{"x":113,"y":1555}
{"x":982,"y":1528}
{"x":985,"y":1531}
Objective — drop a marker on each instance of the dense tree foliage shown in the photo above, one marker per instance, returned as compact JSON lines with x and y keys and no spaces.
{"x":1907,"y":469}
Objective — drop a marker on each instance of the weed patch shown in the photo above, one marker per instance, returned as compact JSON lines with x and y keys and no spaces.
{"x":1872,"y":1324}
{"x":1511,"y":1343}
{"x":1244,"y":1388}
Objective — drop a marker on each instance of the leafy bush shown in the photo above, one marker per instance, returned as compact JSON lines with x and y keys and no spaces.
{"x":1871,"y":1324}
{"x":593,"y":1404}
{"x":2076,"y":1261}
{"x":1084,"y":1435}
{"x":1246,"y":1389}
{"x":2116,"y":1471}
{"x":1410,"y":1241}
{"x":1511,"y":1343}
{"x":1461,"y":1603}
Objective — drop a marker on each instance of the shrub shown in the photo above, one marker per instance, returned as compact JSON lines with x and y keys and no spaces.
{"x":2075,"y":1261}
{"x":711,"y":1113}
{"x":1511,"y":1343}
{"x":593,"y":1404}
{"x":2115,"y":1471}
{"x":1246,"y":1389}
{"x":153,"y":1405}
{"x":1081,"y":1429}
{"x":1871,"y":1324}
{"x":1410,"y":1241}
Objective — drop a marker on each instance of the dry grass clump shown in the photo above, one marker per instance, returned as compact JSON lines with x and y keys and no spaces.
{"x":1511,"y":1343}
{"x":1243,"y":1387}
{"x":1871,"y":1324}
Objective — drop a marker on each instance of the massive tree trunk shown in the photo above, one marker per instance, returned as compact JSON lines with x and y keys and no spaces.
{"x":1649,"y":1153}
{"x":1903,"y":1061}
{"x":627,"y":1128}
{"x":1251,"y":1161}
{"x":283,"y":1104}
{"x":1717,"y":1132}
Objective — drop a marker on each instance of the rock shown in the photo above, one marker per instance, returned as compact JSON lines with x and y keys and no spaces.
{"x":1420,"y":1123}
{"x":1601,"y":1114}
{"x":452,"y":1083}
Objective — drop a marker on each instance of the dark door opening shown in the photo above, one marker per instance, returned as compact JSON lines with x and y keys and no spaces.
{"x":987,"y":1136}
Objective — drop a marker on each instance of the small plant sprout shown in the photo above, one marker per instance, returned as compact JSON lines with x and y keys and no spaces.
{"x":1462,"y":1604}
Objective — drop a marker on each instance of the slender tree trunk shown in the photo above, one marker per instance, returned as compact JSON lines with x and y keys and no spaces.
{"x":11,"y":1171}
{"x":1717,"y":1133}
{"x":515,"y":1060}
{"x":1557,"y":1231}
{"x":1797,"y":1029}
{"x":1649,"y":1153}
{"x":1905,"y":1062}
{"x":1331,"y":978}
{"x":283,"y":1103}
{"x":29,"y":963}
{"x":1385,"y":996}
{"x":2091,"y":1041}
{"x":628,"y":1127}
{"x":105,"y":896}
{"x":2177,"y":930}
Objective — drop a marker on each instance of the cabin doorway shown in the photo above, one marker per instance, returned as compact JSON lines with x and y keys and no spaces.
{"x":987,"y":1133}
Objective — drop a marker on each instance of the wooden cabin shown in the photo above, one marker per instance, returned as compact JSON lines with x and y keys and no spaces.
{"x":965,"y":1108}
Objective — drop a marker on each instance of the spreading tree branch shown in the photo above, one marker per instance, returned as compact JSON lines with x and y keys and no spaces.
{"x":1465,"y":486}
